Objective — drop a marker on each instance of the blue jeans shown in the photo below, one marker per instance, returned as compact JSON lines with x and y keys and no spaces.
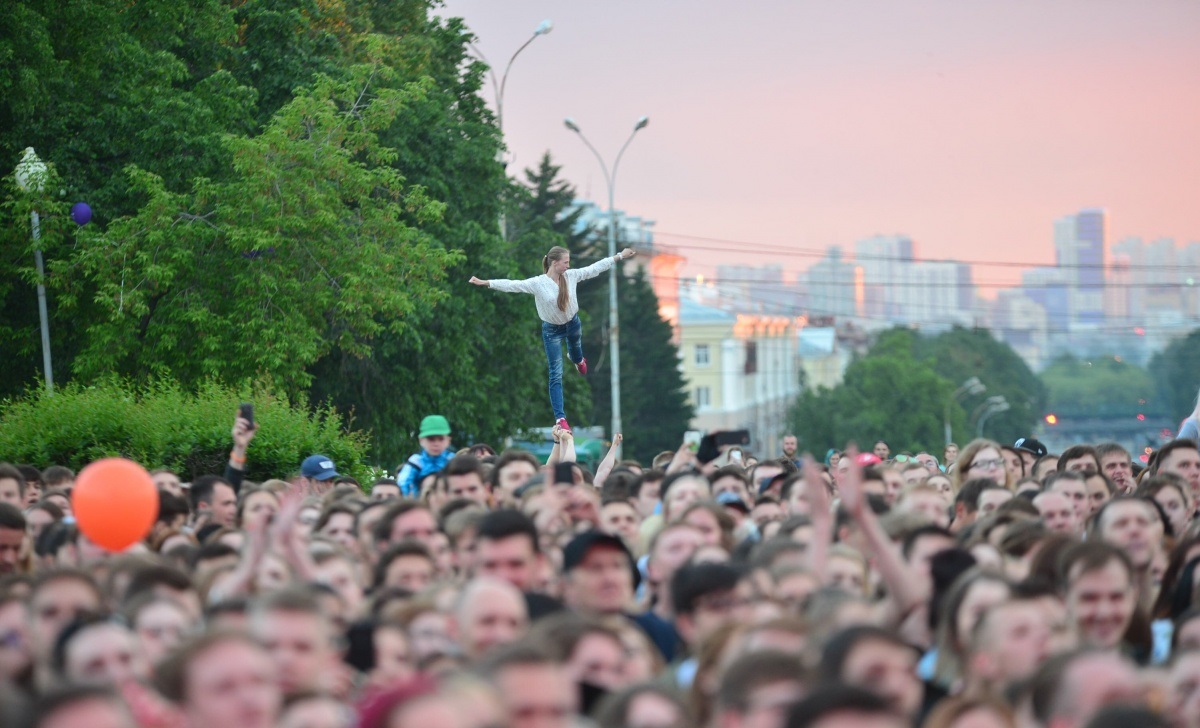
{"x":552,"y":338}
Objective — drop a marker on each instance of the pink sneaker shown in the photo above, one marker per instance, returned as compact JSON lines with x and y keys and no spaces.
{"x":581,"y":367}
{"x":562,"y":422}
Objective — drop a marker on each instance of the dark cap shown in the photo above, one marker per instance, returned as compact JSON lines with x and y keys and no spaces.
{"x":1030,"y":445}
{"x":577,"y":550}
{"x":765,"y":484}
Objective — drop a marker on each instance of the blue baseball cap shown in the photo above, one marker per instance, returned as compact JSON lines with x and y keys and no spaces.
{"x":318,"y":467}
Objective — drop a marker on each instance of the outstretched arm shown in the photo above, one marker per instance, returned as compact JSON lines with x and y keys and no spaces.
{"x":595,"y":269}
{"x":508,"y":286}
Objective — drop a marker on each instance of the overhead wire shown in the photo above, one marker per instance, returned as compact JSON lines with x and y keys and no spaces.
{"x":801,"y":252}
{"x":1122,"y":324}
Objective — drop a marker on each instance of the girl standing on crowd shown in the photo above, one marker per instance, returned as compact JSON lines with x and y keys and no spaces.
{"x":558,"y":307}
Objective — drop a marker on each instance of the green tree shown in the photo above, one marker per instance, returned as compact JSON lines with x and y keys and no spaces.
{"x":1177,"y":376}
{"x":304,"y":249}
{"x":885,"y":395}
{"x":96,"y":87}
{"x":477,"y":357}
{"x":160,"y":424}
{"x":232,"y":241}
{"x":283,"y":45}
{"x":960,"y":354}
{"x":1099,"y":387}
{"x":900,"y":389}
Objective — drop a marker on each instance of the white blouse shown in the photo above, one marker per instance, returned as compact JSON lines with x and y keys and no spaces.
{"x":545,"y":290}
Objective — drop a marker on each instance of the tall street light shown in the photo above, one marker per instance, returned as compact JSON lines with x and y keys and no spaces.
{"x":31,"y":177}
{"x":993,"y":406}
{"x":543,"y":28}
{"x":613,"y":322}
{"x":970,"y":387}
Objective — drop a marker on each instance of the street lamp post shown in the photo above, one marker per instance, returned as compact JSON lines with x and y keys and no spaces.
{"x":498,"y":86}
{"x":993,"y":406}
{"x":613,"y":322}
{"x":972,"y":387}
{"x":543,"y":28}
{"x":31,"y":177}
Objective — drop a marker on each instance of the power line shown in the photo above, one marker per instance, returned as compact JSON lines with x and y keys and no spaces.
{"x":1111,"y":325}
{"x":788,"y":251}
{"x":1092,"y":288}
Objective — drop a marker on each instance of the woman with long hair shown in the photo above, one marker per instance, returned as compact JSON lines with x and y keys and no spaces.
{"x":980,"y":459}
{"x":558,"y":307}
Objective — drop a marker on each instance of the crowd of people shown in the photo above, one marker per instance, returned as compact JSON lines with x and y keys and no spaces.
{"x":998,"y":586}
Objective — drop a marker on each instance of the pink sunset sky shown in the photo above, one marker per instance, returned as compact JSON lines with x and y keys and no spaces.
{"x":969,"y":126}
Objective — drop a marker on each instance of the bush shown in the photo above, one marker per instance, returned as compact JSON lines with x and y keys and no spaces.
{"x":161,"y":425}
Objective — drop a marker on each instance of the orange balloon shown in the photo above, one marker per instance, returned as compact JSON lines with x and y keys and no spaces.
{"x":115,"y":503}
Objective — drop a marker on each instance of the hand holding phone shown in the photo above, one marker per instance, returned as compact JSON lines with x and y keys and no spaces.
{"x":246,"y":412}
{"x":244,"y":430}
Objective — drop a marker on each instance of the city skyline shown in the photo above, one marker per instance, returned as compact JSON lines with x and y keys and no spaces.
{"x":803,"y":125}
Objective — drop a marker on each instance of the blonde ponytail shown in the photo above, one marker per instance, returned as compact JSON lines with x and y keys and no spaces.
{"x":564,"y":294}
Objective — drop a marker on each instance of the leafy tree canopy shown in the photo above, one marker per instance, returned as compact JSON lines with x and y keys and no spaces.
{"x":1177,"y":375}
{"x":960,"y":354}
{"x":1099,"y":387}
{"x":302,"y":249}
{"x":291,"y":192}
{"x":901,"y":390}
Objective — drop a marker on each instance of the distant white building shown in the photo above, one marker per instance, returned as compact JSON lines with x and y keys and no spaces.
{"x":632,"y":231}
{"x":740,"y":371}
{"x":822,"y":357}
{"x":934,"y":292}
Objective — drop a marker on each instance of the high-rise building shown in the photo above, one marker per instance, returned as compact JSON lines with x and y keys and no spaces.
{"x":1119,"y":295}
{"x":1050,"y":288}
{"x":757,"y":288}
{"x":932,"y":293}
{"x":1080,"y":242}
{"x":883,"y":259}
{"x":834,"y":286}
{"x":1154,"y":276}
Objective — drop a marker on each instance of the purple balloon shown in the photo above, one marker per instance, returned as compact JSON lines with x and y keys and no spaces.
{"x":81,"y":213}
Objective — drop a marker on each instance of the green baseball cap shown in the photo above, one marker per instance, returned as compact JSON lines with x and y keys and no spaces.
{"x":434,"y":425}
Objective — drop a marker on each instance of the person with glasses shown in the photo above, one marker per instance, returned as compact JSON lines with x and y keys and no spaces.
{"x":981,"y":459}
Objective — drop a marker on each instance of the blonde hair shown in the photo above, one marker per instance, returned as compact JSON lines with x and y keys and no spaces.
{"x":556,"y":254}
{"x":966,"y":456}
